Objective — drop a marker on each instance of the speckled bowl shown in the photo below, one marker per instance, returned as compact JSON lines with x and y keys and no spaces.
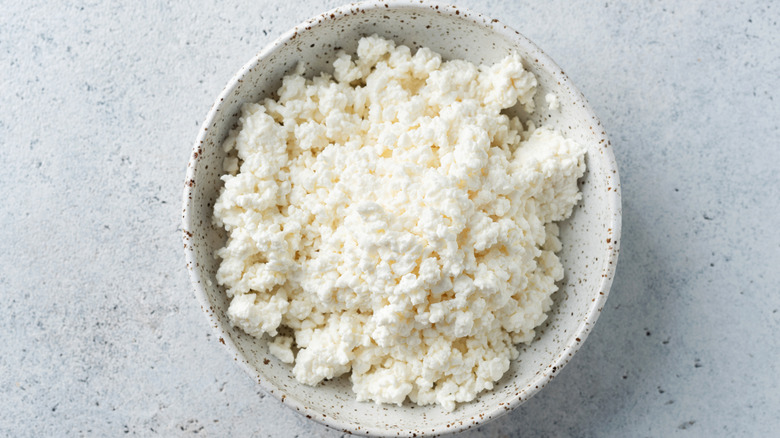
{"x":590,"y":236}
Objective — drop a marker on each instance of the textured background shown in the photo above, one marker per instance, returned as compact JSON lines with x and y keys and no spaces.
{"x":101,"y":334}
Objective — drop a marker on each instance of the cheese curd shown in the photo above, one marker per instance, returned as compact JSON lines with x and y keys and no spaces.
{"x":396,"y":222}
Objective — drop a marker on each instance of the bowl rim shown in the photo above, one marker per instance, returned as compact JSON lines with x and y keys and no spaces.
{"x":609,"y":261}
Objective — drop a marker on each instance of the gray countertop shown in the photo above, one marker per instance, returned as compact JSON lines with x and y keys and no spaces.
{"x":102,"y":335}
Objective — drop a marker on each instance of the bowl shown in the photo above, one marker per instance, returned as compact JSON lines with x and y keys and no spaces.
{"x":590,"y":236}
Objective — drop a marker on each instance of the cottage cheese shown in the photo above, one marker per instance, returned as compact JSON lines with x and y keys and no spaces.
{"x":552,"y":101}
{"x":396,"y":222}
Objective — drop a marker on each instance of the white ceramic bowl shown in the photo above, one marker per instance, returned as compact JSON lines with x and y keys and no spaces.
{"x":590,"y":236}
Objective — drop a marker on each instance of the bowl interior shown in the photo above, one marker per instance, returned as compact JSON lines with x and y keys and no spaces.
{"x":589,"y":237}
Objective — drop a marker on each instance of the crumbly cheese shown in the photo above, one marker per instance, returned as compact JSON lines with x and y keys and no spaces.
{"x":396,"y":221}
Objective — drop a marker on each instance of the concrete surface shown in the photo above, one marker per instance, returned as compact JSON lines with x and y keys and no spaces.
{"x":102,"y":336}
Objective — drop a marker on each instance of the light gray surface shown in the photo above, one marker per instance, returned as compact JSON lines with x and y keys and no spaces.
{"x":102,"y":335}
